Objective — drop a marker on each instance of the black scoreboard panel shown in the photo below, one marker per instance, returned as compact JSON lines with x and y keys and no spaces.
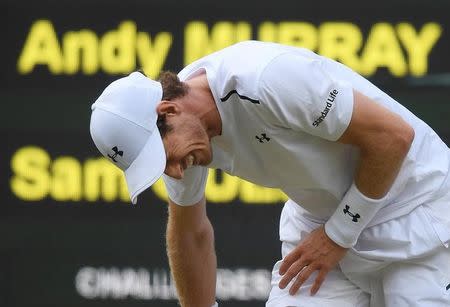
{"x":68,"y":234}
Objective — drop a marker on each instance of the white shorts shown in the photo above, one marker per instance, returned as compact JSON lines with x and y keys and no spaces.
{"x":404,"y":262}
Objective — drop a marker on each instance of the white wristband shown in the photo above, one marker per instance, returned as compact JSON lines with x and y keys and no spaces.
{"x":351,"y":217}
{"x":215,"y":305}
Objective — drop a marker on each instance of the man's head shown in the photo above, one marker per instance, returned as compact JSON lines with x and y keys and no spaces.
{"x":147,"y":128}
{"x":184,"y":134}
{"x":123,"y":127}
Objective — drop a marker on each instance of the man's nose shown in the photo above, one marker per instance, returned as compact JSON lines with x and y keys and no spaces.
{"x":174,"y":170}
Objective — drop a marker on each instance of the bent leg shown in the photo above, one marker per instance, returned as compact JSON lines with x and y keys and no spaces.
{"x":336,"y":291}
{"x":419,"y":282}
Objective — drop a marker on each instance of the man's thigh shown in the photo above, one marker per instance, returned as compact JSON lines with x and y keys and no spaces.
{"x":406,"y":259}
{"x":419,"y":283}
{"x":336,"y":291}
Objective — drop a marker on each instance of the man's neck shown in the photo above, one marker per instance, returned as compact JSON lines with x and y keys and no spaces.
{"x":201,"y":102}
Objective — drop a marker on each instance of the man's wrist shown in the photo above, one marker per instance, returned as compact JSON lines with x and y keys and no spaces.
{"x":352,"y":215}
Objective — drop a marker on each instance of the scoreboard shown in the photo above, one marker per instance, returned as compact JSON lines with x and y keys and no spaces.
{"x":69,"y":235}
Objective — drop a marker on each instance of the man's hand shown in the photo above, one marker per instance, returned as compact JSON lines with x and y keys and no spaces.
{"x":316,"y":253}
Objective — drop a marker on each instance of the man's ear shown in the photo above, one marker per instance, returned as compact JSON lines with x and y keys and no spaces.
{"x":167,"y":107}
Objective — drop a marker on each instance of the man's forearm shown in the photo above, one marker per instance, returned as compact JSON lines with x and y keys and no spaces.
{"x":383,"y":139}
{"x":193,"y":262}
{"x":378,"y":169}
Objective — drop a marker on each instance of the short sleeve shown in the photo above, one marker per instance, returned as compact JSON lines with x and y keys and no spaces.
{"x":302,"y":95}
{"x":189,"y":190}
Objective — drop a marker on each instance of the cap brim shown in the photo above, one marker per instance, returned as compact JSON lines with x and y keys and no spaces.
{"x":147,"y":168}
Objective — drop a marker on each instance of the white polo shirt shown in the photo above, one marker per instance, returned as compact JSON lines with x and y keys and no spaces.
{"x":282,"y":109}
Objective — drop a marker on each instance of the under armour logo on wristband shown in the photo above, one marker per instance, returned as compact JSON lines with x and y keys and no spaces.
{"x":354,"y":217}
{"x":116,"y":152}
{"x":448,"y":287}
{"x":262,"y":138}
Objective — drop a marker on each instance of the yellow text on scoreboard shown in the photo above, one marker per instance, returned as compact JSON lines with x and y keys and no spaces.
{"x":402,"y":48}
{"x":37,"y":176}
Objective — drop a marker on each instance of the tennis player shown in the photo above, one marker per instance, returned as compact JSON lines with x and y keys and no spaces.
{"x":367,"y":222}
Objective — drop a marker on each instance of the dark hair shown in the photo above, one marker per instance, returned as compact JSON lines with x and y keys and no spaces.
{"x":172,"y":86}
{"x":162,"y":125}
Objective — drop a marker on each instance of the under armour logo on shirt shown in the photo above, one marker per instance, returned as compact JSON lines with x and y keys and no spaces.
{"x":262,"y":138}
{"x":116,"y":153}
{"x":355,"y":217}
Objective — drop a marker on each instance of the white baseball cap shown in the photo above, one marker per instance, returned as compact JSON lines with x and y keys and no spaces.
{"x":123,"y":127}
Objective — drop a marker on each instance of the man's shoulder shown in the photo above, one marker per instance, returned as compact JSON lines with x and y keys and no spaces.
{"x":240,"y":58}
